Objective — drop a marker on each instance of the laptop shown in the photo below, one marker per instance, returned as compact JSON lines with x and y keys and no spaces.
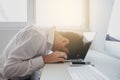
{"x":86,"y":72}
{"x":88,"y":38}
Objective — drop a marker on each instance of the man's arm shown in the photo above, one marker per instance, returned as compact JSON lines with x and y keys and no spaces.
{"x":54,"y":57}
{"x":21,"y":60}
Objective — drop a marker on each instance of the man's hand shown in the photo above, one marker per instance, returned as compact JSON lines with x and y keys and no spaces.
{"x":54,"y":57}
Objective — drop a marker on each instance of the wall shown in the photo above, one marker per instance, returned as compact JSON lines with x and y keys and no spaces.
{"x":100,"y":12}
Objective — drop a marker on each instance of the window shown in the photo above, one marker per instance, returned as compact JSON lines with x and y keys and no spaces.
{"x":61,"y":13}
{"x":13,"y":10}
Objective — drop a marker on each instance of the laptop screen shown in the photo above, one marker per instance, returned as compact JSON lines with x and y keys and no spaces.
{"x":87,"y":41}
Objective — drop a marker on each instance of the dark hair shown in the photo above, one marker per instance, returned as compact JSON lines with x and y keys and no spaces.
{"x":75,"y":46}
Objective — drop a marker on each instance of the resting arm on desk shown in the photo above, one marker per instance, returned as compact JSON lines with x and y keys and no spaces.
{"x":56,"y":56}
{"x":27,"y":67}
{"x":22,"y":59}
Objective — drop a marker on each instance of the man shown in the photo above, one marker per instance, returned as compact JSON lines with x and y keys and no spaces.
{"x":30,"y":48}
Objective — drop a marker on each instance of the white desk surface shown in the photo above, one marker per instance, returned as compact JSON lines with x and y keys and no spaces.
{"x":109,"y":66}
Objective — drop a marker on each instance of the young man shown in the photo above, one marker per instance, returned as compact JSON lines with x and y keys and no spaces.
{"x":30,"y":48}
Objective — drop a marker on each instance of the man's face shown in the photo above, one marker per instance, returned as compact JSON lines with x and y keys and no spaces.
{"x":60,"y":43}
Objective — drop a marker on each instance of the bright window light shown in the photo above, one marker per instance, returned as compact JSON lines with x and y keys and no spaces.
{"x":61,"y":13}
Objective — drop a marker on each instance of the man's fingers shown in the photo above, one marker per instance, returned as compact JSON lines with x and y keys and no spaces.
{"x":61,"y":54}
{"x":60,"y":60}
{"x":56,"y":56}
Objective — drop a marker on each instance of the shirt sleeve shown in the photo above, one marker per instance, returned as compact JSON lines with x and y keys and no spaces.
{"x":21,"y":60}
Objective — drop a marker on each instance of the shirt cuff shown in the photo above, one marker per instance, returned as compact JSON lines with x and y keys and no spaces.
{"x":37,"y":63}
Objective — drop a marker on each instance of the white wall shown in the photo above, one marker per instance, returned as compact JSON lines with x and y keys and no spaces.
{"x":13,"y":10}
{"x":100,"y":12}
{"x":114,"y":26}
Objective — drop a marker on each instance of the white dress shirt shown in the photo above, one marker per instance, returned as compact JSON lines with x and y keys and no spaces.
{"x":23,"y":54}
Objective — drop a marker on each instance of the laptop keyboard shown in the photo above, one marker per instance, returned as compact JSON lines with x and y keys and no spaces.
{"x":86,"y":72}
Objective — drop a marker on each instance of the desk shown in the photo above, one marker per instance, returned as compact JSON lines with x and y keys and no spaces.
{"x":109,"y":66}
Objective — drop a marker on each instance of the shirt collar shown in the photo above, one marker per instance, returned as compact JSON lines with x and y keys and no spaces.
{"x":51,"y":34}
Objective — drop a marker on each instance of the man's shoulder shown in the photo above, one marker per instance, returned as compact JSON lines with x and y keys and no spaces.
{"x":32,"y":31}
{"x":35,"y":28}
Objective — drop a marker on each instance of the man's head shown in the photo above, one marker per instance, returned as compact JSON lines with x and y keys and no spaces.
{"x":69,"y":42}
{"x":60,"y":43}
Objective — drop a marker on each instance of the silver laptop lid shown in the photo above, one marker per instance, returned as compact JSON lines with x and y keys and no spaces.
{"x":88,"y":38}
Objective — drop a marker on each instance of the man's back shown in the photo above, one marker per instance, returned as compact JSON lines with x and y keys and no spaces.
{"x":22,"y":47}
